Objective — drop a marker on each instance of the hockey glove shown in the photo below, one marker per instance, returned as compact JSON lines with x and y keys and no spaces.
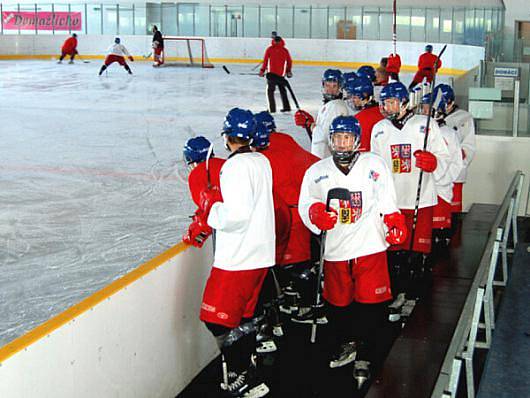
{"x":289,"y":74}
{"x":397,"y":229}
{"x":131,"y":58}
{"x":198,"y":231}
{"x":303,"y":118}
{"x":261,"y":73}
{"x":426,"y":161}
{"x":207,"y":198}
{"x":323,"y":219}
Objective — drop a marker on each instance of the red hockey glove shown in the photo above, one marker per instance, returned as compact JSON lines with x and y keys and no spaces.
{"x":198,"y":231}
{"x":131,"y":58}
{"x":321,"y":218}
{"x":207,"y":198}
{"x":289,"y":74}
{"x":426,"y":161}
{"x":397,"y":229}
{"x":303,"y":118}
{"x":261,"y":73}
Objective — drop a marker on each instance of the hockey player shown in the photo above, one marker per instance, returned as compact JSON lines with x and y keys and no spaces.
{"x":334,"y":106}
{"x":399,"y":140}
{"x":245,"y":249}
{"x":277,"y":62}
{"x":204,"y":174}
{"x":356,"y":281}
{"x":426,"y":67}
{"x":360,"y":93}
{"x":441,"y":222}
{"x":463,"y":123}
{"x":158,"y":47}
{"x":69,"y":48}
{"x":295,"y":266}
{"x":117,"y":53}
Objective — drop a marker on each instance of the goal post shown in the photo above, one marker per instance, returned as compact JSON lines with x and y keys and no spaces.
{"x":186,"y":51}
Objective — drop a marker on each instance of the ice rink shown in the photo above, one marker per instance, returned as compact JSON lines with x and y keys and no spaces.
{"x":92,"y":178}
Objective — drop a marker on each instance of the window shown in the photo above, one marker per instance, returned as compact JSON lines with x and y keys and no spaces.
{"x":251,"y":21}
{"x":319,"y":25}
{"x":110,"y":19}
{"x":267,"y":21}
{"x":301,"y":22}
{"x":285,"y":21}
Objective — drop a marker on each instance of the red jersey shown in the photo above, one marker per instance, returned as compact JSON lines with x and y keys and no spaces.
{"x":198,"y":178}
{"x":394,"y":63}
{"x":69,"y":45}
{"x":427,"y":60}
{"x":289,"y":162}
{"x":367,"y":118}
{"x":277,"y":59}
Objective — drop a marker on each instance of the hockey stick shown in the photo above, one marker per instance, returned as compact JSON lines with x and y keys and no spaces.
{"x":226,"y":69}
{"x":256,"y":67}
{"x":420,"y":180}
{"x":394,"y":32}
{"x":335,"y":193}
{"x":288,"y":85}
{"x":147,"y":55}
{"x":82,"y":59}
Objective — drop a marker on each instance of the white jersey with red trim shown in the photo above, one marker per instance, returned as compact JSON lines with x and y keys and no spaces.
{"x":118,"y":49}
{"x":244,"y":220}
{"x":397,"y":148}
{"x":360,"y":230}
{"x":444,"y":184}
{"x":329,"y":111}
{"x":465,"y":125}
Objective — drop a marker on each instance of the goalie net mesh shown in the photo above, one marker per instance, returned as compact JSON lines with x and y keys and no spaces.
{"x":185,"y":51}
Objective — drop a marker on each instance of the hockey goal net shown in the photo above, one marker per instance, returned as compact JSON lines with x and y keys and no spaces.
{"x":185,"y":51}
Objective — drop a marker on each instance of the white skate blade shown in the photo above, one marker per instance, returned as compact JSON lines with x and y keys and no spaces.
{"x":360,"y":382}
{"x":277,"y":331}
{"x":257,"y":392}
{"x":266,"y":346}
{"x":394,"y":317}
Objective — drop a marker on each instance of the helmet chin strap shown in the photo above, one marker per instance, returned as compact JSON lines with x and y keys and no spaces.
{"x":346,"y":163}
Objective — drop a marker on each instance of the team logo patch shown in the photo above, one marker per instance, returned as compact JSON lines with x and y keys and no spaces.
{"x":401,"y":158}
{"x":373,"y":175}
{"x":321,"y":178}
{"x":222,"y":315}
{"x":350,"y":211}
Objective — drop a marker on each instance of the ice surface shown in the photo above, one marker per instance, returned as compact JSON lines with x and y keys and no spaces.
{"x":92,"y":182}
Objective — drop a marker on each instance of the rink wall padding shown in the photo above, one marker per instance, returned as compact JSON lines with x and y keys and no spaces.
{"x":318,"y":52}
{"x":140,"y":336}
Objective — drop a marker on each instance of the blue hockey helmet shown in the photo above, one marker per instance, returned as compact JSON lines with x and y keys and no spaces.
{"x":443,"y":96}
{"x":394,"y":90}
{"x":348,"y":77}
{"x":117,"y":40}
{"x":239,"y":123}
{"x":348,"y":125}
{"x":196,"y":149}
{"x":367,"y":72}
{"x":266,"y":119}
{"x":332,"y":75}
{"x":360,"y":87}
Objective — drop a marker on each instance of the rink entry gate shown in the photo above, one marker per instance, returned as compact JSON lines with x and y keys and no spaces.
{"x":479,"y":311}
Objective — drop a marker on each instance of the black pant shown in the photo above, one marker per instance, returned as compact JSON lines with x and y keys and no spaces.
{"x":274,"y":80}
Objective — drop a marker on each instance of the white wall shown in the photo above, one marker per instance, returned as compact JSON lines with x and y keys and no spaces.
{"x":516,"y":10}
{"x":143,"y":341}
{"x":220,"y":49}
{"x":493,"y":168}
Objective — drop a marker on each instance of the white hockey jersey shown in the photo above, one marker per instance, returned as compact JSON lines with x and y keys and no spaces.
{"x":329,"y":111}
{"x":118,"y":49}
{"x":397,"y":148}
{"x":360,"y":230}
{"x":444,"y":184}
{"x":244,"y":220}
{"x":465,"y":125}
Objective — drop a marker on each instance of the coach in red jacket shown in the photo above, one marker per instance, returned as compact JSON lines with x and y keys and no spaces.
{"x":277,"y":62}
{"x":69,"y":48}
{"x":426,"y":67}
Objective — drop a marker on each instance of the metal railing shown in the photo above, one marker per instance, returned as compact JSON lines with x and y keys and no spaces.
{"x":480,"y":299}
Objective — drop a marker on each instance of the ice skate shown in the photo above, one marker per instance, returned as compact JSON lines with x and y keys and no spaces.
{"x":345,"y":355}
{"x":361,"y":372}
